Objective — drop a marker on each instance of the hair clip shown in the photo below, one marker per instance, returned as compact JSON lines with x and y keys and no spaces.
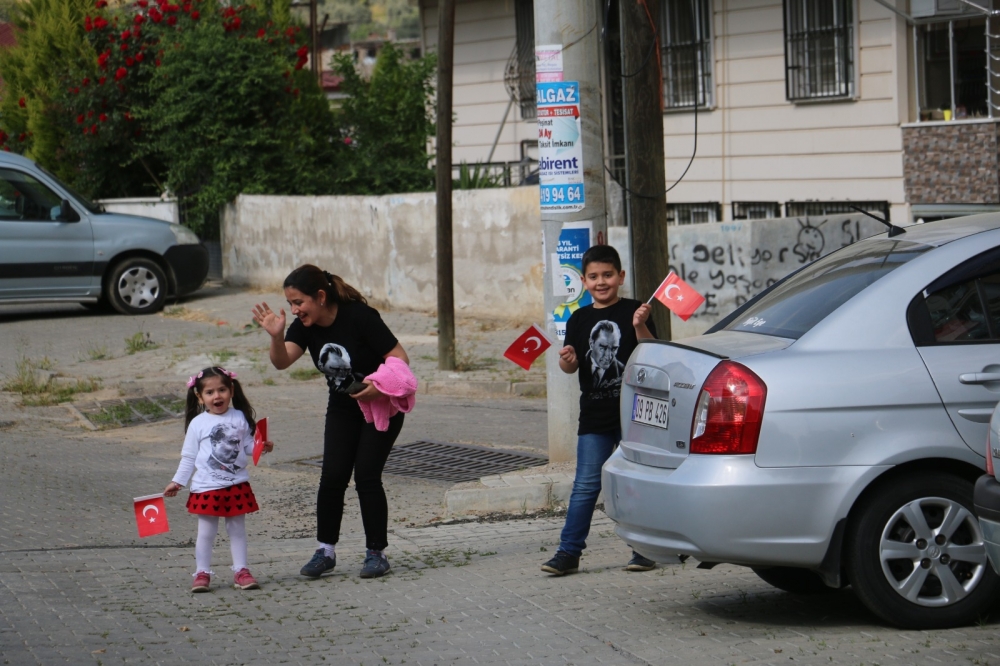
{"x":193,"y":379}
{"x":227,"y":373}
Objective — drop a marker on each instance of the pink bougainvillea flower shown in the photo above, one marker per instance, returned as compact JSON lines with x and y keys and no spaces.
{"x":21,"y":102}
{"x":103,"y":117}
{"x":120,"y":73}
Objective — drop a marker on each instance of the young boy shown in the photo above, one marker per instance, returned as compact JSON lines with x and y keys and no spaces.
{"x":599,"y":339}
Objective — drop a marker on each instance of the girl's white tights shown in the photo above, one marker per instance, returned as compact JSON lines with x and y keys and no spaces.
{"x":208,"y":527}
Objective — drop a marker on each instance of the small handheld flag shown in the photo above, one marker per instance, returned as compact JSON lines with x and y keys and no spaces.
{"x":259,"y":437}
{"x":529,"y":346}
{"x":679,"y":297}
{"x":151,"y":515}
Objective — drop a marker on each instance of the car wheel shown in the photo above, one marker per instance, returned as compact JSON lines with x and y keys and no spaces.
{"x":137,"y":286}
{"x":794,"y":580}
{"x":915,"y":554}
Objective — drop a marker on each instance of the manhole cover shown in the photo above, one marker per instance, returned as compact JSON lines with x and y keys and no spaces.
{"x":441,"y":461}
{"x":123,"y":412}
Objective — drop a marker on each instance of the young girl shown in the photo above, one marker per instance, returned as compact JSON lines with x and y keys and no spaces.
{"x":217,"y":448}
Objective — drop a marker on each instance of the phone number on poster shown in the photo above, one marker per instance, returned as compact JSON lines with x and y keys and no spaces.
{"x":557,"y":196}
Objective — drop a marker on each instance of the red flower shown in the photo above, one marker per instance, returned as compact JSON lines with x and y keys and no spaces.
{"x":93,"y":129}
{"x":121,"y":73}
{"x":101,"y":4}
{"x":103,"y":117}
{"x":136,"y":33}
{"x":296,"y":92}
{"x":143,"y":3}
{"x":21,"y":102}
{"x":86,"y":81}
{"x":90,"y":114}
{"x":195,"y":15}
{"x":261,"y":33}
{"x":303,"y":52}
{"x":124,"y":47}
{"x":128,"y":116}
{"x":21,"y":136}
{"x":300,"y":64}
{"x":3,"y":136}
{"x":139,"y":19}
{"x":87,"y":24}
{"x":100,"y":23}
{"x":101,"y":80}
{"x":102,"y":60}
{"x":139,"y":57}
{"x":79,"y":119}
{"x":129,"y":61}
{"x":228,"y":12}
{"x":126,"y":34}
{"x":157,"y":62}
{"x":348,"y":140}
{"x":171,"y":20}
{"x":172,"y":8}
{"x":154,"y":15}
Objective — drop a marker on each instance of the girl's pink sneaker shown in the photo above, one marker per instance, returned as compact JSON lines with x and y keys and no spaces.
{"x":201,"y":581}
{"x":244,"y":581}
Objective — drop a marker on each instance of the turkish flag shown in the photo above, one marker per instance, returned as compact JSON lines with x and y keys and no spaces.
{"x":151,"y":515}
{"x":678,"y":296}
{"x":259,"y":437}
{"x":529,"y":346}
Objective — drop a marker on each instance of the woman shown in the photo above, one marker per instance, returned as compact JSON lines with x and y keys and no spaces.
{"x":348,"y":341}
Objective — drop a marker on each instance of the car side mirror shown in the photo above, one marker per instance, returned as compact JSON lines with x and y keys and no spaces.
{"x":66,"y":212}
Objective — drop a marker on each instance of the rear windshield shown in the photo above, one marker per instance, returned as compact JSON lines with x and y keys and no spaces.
{"x":802,"y":300}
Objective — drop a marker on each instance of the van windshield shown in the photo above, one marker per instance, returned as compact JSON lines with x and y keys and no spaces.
{"x":793,"y":306}
{"x":91,"y":207}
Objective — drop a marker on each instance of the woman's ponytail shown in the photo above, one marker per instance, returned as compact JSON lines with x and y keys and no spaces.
{"x":310,"y":280}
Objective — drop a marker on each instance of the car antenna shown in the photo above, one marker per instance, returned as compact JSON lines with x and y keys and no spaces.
{"x":893,"y":229}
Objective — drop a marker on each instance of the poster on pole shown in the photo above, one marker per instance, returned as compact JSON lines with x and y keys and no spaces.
{"x":574,"y":240}
{"x":548,"y":63}
{"x":560,"y":147}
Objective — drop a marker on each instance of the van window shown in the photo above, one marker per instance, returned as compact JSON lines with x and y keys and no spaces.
{"x":793,"y":306}
{"x":25,"y":198}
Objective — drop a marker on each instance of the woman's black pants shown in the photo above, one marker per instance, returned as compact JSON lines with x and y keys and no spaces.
{"x":351,"y":445}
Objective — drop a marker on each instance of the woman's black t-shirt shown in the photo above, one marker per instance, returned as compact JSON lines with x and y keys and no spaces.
{"x":351,"y":348}
{"x":603,"y":339}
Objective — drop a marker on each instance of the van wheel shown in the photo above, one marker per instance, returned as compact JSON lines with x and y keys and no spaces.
{"x":915,"y":553}
{"x":794,"y":580}
{"x":137,"y":286}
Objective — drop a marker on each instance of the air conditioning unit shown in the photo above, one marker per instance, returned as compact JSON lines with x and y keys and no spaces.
{"x":944,"y":8}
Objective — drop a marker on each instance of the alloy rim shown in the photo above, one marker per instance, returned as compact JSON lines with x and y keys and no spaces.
{"x":932,"y":552}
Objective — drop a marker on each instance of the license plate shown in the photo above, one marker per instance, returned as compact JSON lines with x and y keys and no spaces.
{"x":649,"y":411}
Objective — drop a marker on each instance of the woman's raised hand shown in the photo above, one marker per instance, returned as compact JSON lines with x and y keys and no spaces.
{"x":273,"y":323}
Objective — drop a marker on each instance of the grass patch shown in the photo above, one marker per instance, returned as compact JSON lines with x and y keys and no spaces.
{"x":223,"y":356}
{"x":268,"y":382}
{"x":36,"y":389}
{"x":139,"y":342}
{"x":96,"y":352}
{"x":149,"y":409}
{"x":112,"y":415}
{"x":303,"y":374}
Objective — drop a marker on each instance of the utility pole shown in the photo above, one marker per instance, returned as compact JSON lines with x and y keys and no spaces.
{"x":571,"y":176}
{"x":313,"y":38}
{"x":445,"y":268}
{"x":644,"y":168}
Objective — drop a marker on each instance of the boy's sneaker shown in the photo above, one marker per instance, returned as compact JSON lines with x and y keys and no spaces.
{"x":640,"y":563}
{"x":243,"y":580}
{"x":201,"y":581}
{"x":562,"y":563}
{"x":375,"y":565}
{"x":319,"y":564}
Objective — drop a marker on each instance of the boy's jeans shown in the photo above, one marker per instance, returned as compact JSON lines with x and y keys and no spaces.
{"x":592,"y":451}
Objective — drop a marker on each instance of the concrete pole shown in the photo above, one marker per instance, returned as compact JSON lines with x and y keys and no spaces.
{"x":573,"y":28}
{"x":445,"y":269}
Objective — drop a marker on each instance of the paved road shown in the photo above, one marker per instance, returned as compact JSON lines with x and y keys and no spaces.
{"x":78,"y":586}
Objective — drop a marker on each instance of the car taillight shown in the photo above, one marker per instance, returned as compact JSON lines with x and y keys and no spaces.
{"x":989,"y":454}
{"x":730,"y":409}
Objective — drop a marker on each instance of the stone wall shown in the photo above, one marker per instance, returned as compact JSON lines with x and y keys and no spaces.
{"x":951,"y":163}
{"x":385,"y":247}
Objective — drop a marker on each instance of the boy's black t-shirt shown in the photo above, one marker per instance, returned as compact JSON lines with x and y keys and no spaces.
{"x":350,"y":348}
{"x":603,"y":339}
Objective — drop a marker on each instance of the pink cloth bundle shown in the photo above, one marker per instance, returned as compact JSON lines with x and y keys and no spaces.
{"x":395,"y":380}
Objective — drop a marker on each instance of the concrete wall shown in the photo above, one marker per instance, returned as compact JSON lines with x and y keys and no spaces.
{"x":385,"y":246}
{"x":157,"y":208}
{"x":953,"y":162}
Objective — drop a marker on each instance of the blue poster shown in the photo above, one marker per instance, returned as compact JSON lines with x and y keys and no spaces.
{"x":574,"y":240}
{"x":560,"y":146}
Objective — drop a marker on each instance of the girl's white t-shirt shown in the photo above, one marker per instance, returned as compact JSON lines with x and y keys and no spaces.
{"x":217,"y":449}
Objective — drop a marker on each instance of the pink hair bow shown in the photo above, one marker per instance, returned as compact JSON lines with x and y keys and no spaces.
{"x":193,"y":379}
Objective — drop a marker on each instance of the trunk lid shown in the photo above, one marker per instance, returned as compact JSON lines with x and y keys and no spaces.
{"x":661,"y":387}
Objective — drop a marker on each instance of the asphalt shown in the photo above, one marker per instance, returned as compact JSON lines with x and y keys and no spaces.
{"x":78,"y":586}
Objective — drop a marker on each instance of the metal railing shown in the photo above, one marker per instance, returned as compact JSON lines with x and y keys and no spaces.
{"x":478,"y":175}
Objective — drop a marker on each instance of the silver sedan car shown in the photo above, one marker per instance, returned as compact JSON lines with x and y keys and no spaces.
{"x":829,"y":432}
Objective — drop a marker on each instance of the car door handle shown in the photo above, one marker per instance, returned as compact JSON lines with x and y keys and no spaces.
{"x":979,"y":377}
{"x":977,"y":415}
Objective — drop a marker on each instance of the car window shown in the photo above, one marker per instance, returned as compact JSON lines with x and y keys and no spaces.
{"x":961,"y":306}
{"x":23,"y":197}
{"x":957,"y":314}
{"x":80,"y":199}
{"x":793,"y":306}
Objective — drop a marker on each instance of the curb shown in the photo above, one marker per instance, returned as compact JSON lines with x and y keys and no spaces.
{"x":464,"y":387}
{"x":510,"y":494}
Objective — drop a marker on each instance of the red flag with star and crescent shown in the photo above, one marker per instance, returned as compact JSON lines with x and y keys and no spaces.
{"x":151,"y":515}
{"x":679,"y":297}
{"x":529,"y":346}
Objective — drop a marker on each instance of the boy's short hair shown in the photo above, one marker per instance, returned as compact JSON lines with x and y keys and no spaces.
{"x":604,"y":254}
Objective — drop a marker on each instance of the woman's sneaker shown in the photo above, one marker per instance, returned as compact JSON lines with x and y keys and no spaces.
{"x":244,"y":581}
{"x":562,"y":563}
{"x":376,"y":564}
{"x":319,"y":564}
{"x":201,"y":582}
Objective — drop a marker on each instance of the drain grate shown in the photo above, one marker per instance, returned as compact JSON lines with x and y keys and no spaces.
{"x":441,"y":461}
{"x":123,"y":412}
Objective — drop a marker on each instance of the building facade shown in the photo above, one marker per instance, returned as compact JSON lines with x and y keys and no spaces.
{"x":795,"y":107}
